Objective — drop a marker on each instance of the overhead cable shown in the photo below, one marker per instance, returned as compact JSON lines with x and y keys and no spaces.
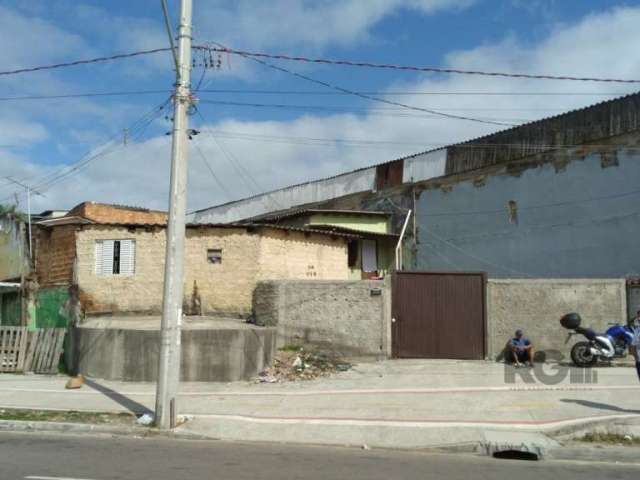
{"x":372,"y":98}
{"x":74,"y":63}
{"x":350,"y":63}
{"x":257,"y":55}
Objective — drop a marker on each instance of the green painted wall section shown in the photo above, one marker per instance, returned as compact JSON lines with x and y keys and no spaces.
{"x":362,"y":223}
{"x":49,"y":307}
{"x":386,"y":256}
{"x":10,"y":309}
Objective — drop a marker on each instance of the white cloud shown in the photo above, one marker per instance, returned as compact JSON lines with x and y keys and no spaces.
{"x":301,"y":24}
{"x":603,"y":45}
{"x":28,"y":41}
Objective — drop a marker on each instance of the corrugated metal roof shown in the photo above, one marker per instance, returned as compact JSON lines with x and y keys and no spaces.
{"x":478,"y":140}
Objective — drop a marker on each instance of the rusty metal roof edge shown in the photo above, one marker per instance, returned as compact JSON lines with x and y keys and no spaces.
{"x":362,"y":233}
{"x":64,"y":220}
{"x":240,"y":226}
{"x":294,"y":212}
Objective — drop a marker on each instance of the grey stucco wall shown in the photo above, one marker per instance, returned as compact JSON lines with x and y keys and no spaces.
{"x":536,"y":305}
{"x":220,"y":355}
{"x":342,"y":317}
{"x":579,"y":218}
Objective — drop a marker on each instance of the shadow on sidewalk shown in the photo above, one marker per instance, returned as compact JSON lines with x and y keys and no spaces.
{"x":131,"y":405}
{"x":599,"y":406}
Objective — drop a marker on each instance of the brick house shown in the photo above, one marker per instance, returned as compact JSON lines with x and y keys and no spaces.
{"x":101,"y":259}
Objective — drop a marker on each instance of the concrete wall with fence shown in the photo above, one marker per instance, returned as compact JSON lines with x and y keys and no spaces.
{"x":346,"y":318}
{"x":536,"y":306}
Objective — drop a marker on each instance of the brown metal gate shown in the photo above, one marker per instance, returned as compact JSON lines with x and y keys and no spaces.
{"x":439,"y":315}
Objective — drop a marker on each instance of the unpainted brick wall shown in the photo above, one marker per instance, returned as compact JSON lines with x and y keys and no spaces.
{"x":295,"y":255}
{"x":224,"y":288}
{"x":104,"y":213}
{"x":55,"y":254}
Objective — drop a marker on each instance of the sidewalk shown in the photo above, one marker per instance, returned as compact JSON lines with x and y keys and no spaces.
{"x":399,"y":403}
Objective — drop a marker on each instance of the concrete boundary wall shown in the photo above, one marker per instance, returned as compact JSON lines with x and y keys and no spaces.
{"x":536,"y":305}
{"x":347,"y":318}
{"x":208,"y":355}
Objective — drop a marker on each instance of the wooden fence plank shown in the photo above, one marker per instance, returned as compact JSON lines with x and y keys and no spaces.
{"x":42,"y":350}
{"x":50,"y":359}
{"x":9,"y":351}
{"x":12,"y":348}
{"x":57,"y":351}
{"x":46,"y":362}
{"x":37,"y":342}
{"x":3,"y":349}
{"x":24,"y":335}
{"x":38,"y":351}
{"x":31,"y":351}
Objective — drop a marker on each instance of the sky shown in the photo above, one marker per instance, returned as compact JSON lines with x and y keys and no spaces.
{"x":262,"y":129}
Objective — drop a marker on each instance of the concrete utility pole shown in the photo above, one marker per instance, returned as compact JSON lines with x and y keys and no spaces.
{"x":29,"y":191}
{"x":169,"y":365}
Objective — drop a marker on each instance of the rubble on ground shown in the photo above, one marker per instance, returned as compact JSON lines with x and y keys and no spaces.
{"x":292,"y":365}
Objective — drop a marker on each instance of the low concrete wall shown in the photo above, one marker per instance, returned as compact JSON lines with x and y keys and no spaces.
{"x":348,"y":318}
{"x":536,"y":305}
{"x":212,"y":355}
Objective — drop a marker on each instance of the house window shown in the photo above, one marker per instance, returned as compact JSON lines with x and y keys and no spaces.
{"x":352,"y":253}
{"x":214,"y":255}
{"x":115,"y":257}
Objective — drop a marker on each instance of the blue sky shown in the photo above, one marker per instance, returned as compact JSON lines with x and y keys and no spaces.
{"x":251,"y":148}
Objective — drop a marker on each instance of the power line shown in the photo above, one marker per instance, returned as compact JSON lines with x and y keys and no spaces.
{"x":83,"y":95}
{"x":74,"y":63}
{"x":394,"y":93}
{"x":257,"y":55}
{"x":136,"y":129}
{"x":534,"y":207}
{"x":343,"y":107}
{"x":213,"y":174}
{"x":372,"y":98}
{"x":350,"y":63}
{"x":373,"y":111}
{"x":237,"y":165}
{"x":475,"y":257}
{"x":302,"y":140}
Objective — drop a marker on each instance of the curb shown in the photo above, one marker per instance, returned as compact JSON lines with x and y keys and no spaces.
{"x":93,"y":429}
{"x":68,"y":427}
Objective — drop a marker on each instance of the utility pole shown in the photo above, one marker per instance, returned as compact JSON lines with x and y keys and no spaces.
{"x":29,"y":191}
{"x":169,"y":364}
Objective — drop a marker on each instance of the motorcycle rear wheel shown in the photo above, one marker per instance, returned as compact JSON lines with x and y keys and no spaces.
{"x":582,"y":356}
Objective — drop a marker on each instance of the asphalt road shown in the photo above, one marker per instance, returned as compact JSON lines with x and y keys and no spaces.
{"x":37,"y":457}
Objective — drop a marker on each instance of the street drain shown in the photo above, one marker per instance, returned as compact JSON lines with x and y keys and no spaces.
{"x":515,"y":455}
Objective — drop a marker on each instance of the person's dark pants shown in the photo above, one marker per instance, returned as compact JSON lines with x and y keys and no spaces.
{"x":523,"y":355}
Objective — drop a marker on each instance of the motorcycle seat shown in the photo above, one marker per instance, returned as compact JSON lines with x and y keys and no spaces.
{"x":587,"y":332}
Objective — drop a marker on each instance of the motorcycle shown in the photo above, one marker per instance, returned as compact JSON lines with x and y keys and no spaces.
{"x":614,"y":343}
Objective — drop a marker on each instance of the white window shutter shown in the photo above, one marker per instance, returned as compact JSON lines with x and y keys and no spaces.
{"x":107,"y":257}
{"x":127,"y":257}
{"x":99,"y":257}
